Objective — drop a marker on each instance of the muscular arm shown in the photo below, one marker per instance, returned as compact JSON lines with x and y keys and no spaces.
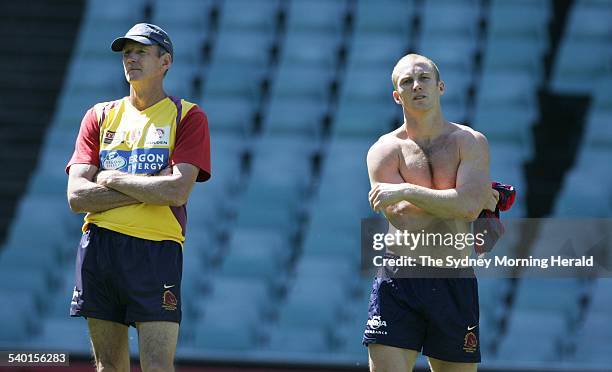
{"x":471,"y":194}
{"x":383,"y":167}
{"x":170,"y":189}
{"x":84,"y":195}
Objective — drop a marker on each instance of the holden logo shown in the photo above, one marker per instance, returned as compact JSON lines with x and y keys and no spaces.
{"x":376,"y":322}
{"x":113,"y":161}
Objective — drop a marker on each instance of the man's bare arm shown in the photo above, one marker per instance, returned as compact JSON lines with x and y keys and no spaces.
{"x":383,"y":167}
{"x":84,"y":195}
{"x":471,"y":194}
{"x":172,"y":189}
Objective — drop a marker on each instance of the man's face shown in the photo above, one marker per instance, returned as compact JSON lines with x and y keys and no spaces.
{"x":143,"y":62}
{"x":417,"y":86}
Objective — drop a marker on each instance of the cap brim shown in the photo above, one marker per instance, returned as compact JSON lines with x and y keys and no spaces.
{"x":119,"y":42}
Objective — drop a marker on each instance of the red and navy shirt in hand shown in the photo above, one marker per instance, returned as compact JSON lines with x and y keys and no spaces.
{"x":489,"y":220}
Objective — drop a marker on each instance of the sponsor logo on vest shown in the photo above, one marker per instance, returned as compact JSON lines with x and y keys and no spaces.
{"x":157,"y":136}
{"x":113,"y":161}
{"x":108,"y":137}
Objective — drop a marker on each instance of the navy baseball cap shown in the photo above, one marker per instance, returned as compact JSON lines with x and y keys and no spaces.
{"x":147,"y":34}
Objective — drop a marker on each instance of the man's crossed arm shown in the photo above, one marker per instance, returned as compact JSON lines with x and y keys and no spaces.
{"x":93,"y":191}
{"x":471,"y":194}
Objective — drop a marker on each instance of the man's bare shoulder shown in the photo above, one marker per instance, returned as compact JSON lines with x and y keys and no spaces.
{"x":467,"y":136}
{"x":471,"y":142}
{"x":386,"y":146}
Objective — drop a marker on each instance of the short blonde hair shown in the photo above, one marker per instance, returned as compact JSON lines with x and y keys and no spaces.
{"x":395,"y":73}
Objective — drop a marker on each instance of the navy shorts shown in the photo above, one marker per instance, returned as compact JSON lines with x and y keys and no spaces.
{"x":435,"y":315}
{"x":126,"y":279}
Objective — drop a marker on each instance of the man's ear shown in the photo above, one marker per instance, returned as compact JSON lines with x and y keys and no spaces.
{"x":442,"y":87}
{"x":166,"y":61}
{"x":396,"y":97}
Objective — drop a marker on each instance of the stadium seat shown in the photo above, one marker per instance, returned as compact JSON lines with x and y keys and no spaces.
{"x":230,"y":115}
{"x":192,"y":14}
{"x":541,"y":295}
{"x":18,"y":313}
{"x":376,"y":50}
{"x":247,"y":15}
{"x":299,"y":81}
{"x":295,"y":115}
{"x":350,"y":335}
{"x":316,"y":15}
{"x":220,"y":331}
{"x":298,"y":340}
{"x":67,"y":335}
{"x":601,"y":300}
{"x":544,"y":329}
{"x":252,"y":48}
{"x":568,"y":72}
{"x":389,"y":16}
{"x":598,"y":132}
{"x":510,"y":19}
{"x":314,"y":48}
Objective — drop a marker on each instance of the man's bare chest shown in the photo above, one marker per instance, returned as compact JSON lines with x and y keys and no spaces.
{"x":433,"y":165}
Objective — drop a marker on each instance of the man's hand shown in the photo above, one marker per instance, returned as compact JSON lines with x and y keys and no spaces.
{"x":165,"y":172}
{"x":103,"y":176}
{"x":385,"y":194}
{"x":492,"y":200}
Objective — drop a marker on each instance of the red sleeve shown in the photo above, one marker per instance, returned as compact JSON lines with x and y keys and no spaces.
{"x":193,"y":143}
{"x":87,"y":147}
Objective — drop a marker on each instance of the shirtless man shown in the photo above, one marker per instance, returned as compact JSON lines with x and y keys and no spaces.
{"x":425,"y":172}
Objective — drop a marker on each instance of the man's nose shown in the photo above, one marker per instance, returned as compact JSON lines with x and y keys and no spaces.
{"x":130,"y":57}
{"x":416,"y":85}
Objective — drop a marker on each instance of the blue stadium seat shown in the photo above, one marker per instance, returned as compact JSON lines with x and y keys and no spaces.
{"x":229,"y":114}
{"x":191,"y":13}
{"x":180,"y":80}
{"x":31,"y":281}
{"x":504,"y":122}
{"x":358,"y":119}
{"x":579,"y":197}
{"x":295,"y":115}
{"x":589,"y":20}
{"x":18,"y":313}
{"x":316,"y":15}
{"x":568,"y":72}
{"x":315,"y":48}
{"x":233,"y":79}
{"x":508,"y":88}
{"x":513,"y":55}
{"x":389,"y":16}
{"x":541,"y":295}
{"x":247,"y":15}
{"x":509,"y":18}
{"x":298,"y":340}
{"x":253,"y":292}
{"x":303,"y":307}
{"x":252,"y":48}
{"x":220,"y":330}
{"x":331,"y":244}
{"x":545,"y":329}
{"x":310,"y":83}
{"x":598,"y":132}
{"x":460,"y":19}
{"x":592,"y":341}
{"x":67,"y":335}
{"x":601,"y":296}
{"x":376,"y":50}
{"x":350,"y":335}
{"x":254,"y":264}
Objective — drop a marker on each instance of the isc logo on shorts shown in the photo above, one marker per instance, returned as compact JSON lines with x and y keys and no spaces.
{"x":374,"y":324}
